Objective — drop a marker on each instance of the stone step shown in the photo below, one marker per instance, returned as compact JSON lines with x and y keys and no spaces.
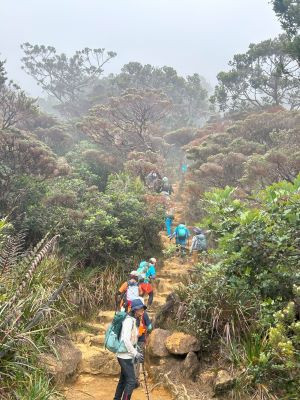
{"x":94,"y":327}
{"x":105,"y":317}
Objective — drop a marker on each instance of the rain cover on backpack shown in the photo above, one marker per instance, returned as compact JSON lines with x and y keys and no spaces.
{"x":181,"y":231}
{"x":113,"y":332}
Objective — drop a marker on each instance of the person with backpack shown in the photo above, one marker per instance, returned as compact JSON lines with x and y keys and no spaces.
{"x":166,"y":187}
{"x":198,"y":244}
{"x":181,"y":235}
{"x":128,"y":292}
{"x":144,"y":328}
{"x":128,"y":353}
{"x":146,"y":277}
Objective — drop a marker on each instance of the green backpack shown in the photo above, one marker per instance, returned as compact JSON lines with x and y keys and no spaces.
{"x":112,"y":335}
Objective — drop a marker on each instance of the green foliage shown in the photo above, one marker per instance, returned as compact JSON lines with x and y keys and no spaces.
{"x":265,"y":75}
{"x":249,"y":296}
{"x":32,"y":308}
{"x":98,"y":228}
{"x":288,"y":12}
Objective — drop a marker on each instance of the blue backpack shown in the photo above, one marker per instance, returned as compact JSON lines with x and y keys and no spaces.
{"x":181,"y":232}
{"x":112,"y":335}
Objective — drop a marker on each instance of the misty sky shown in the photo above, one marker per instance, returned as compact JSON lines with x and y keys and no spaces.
{"x":189,"y":35}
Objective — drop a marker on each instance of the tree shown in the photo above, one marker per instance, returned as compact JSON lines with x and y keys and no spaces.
{"x":2,"y":73}
{"x":126,"y":123}
{"x":264,"y":76}
{"x":22,"y":154}
{"x":251,"y":153}
{"x":188,"y":95}
{"x":15,"y":106}
{"x":65,"y":78}
{"x":288,"y":12}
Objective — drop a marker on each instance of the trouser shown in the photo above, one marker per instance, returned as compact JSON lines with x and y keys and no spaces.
{"x":169,"y":226}
{"x":137,"y":366}
{"x":150,"y":299}
{"x":127,"y":380}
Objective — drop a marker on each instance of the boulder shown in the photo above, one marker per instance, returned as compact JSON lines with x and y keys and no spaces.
{"x":223,"y":382}
{"x":63,"y":366}
{"x":190,"y":365}
{"x":156,"y":344}
{"x":54,"y":368}
{"x":207,"y":377}
{"x":180,"y":343}
{"x":98,"y":361}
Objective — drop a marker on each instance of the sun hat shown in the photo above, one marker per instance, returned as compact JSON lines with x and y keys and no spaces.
{"x":137,"y":304}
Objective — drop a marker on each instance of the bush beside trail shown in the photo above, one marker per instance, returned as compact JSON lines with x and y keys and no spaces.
{"x":245,"y":304}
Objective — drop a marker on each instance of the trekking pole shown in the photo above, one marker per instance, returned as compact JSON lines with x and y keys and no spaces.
{"x":145,"y":380}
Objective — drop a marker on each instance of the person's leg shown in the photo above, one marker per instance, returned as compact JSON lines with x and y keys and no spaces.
{"x":137,"y":366}
{"x":121,"y":383}
{"x":150,"y":299}
{"x":130,"y":380}
{"x":168,"y":226}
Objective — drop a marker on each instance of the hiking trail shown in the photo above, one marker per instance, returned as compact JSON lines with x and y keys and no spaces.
{"x":99,"y":373}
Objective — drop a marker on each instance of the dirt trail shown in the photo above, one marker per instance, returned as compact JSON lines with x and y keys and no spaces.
{"x":94,"y":385}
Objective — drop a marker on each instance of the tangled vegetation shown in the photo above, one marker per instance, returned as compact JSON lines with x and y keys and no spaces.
{"x":247,"y":301}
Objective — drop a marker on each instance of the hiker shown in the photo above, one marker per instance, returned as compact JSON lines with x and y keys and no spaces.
{"x":128,"y":292}
{"x":198,"y":244}
{"x":181,"y":235}
{"x":150,"y":179}
{"x":148,"y":275}
{"x":144,"y":327}
{"x":157,"y":185}
{"x":166,"y":187}
{"x":169,"y":221}
{"x":142,"y":269}
{"x":129,"y":338}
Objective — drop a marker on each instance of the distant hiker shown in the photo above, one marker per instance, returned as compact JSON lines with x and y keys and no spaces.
{"x":169,"y":220}
{"x":157,"y":185}
{"x":198,"y":244}
{"x":150,"y":179}
{"x":145,"y":281}
{"x":130,"y":355}
{"x":181,"y":235}
{"x":142,"y":269}
{"x":128,"y":292}
{"x":166,"y":187}
{"x":144,"y":327}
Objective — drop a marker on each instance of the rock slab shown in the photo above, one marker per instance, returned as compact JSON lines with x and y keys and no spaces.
{"x":156,"y":345}
{"x":190,"y":365}
{"x":63,"y":366}
{"x":223,"y":382}
{"x":180,"y":343}
{"x":98,"y":361}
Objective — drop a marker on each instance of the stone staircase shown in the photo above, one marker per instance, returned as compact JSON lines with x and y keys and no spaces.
{"x":99,"y":368}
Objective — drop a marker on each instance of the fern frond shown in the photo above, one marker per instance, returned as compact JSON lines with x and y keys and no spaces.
{"x":11,"y":252}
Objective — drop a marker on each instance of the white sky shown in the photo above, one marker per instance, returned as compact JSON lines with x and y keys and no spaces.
{"x":189,"y":35}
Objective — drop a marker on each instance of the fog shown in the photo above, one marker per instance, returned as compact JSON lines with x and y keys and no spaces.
{"x":189,"y":35}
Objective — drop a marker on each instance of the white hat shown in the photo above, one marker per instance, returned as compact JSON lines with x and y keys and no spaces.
{"x":134,"y":273}
{"x":153,"y":260}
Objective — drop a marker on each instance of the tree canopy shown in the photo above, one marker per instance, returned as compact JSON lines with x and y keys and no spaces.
{"x":263,"y":76}
{"x":65,"y":78}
